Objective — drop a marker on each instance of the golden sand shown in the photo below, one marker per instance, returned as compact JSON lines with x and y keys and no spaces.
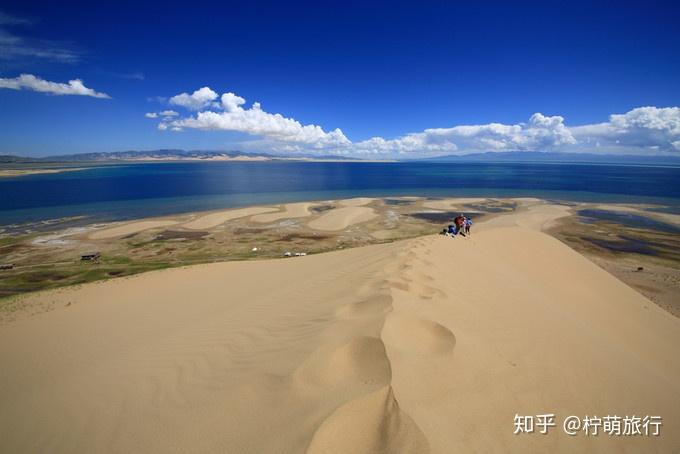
{"x":426,"y":345}
{"x":208,"y":221}
{"x":290,"y":211}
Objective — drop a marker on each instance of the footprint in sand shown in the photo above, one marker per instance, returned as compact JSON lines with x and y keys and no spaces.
{"x":414,"y":335}
{"x":360,"y":362}
{"x":373,"y":306}
{"x":405,"y":266}
{"x":428,"y":292}
{"x":425,"y":277}
{"x":370,"y":424}
{"x":400,"y":285}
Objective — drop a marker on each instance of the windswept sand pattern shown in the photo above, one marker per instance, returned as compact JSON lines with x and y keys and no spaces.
{"x":290,"y":211}
{"x":237,"y":350}
{"x":356,"y":202}
{"x":351,"y":211}
{"x":341,"y":218}
{"x":425,"y":345}
{"x":208,"y":221}
{"x":414,"y":335}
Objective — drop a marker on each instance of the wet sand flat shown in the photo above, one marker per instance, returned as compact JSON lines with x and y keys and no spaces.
{"x":211,"y":220}
{"x":290,"y":211}
{"x":129,"y":229}
{"x":341,"y":218}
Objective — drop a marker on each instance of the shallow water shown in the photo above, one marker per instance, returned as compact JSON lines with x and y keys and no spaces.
{"x":399,"y":202}
{"x":439,"y":217}
{"x":628,"y":220}
{"x":625,"y":244}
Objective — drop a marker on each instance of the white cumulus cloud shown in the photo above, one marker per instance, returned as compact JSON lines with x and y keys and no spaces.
{"x":198,"y":100}
{"x":641,"y":130}
{"x":31,"y":82}
{"x":230,"y":115}
{"x":636,"y":131}
{"x":232,"y":102}
{"x":539,"y":133}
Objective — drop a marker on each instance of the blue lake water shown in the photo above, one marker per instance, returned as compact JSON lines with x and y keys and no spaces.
{"x":118,"y":192}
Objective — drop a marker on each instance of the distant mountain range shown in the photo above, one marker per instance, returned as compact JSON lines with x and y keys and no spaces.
{"x":554,"y":157}
{"x":197,"y":155}
{"x":169,"y":155}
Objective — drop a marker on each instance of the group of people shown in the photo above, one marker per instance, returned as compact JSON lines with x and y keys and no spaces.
{"x":461,"y":226}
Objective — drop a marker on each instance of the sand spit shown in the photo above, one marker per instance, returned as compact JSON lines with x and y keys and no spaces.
{"x":129,"y":229}
{"x":25,"y":172}
{"x":429,"y":345}
{"x":208,"y":221}
{"x":352,"y":211}
{"x":290,"y":211}
{"x":341,"y":218}
{"x":356,"y":202}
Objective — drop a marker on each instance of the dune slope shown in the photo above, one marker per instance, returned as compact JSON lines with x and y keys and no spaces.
{"x":428,"y":345}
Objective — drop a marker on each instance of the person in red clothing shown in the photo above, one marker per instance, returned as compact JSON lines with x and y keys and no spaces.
{"x":459,"y":222}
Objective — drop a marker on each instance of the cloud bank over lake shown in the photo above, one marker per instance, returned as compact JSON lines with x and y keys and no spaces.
{"x":643,"y":130}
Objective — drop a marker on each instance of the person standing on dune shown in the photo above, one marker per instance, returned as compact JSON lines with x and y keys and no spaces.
{"x":468,"y":225}
{"x":459,"y":222}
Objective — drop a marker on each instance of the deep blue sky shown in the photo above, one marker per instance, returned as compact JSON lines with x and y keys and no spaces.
{"x":383,"y":69}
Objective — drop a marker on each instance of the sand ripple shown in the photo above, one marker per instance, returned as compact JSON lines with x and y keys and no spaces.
{"x":341,"y":218}
{"x":211,"y":220}
{"x":425,"y":345}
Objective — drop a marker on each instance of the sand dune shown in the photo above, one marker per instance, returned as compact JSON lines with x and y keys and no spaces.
{"x":129,"y":229}
{"x":341,"y":218}
{"x":429,"y":345}
{"x":211,"y":220}
{"x":367,"y":425}
{"x":536,"y":215}
{"x":290,"y":211}
{"x":356,"y":202}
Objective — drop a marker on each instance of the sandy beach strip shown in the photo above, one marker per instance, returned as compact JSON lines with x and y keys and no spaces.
{"x":356,"y":202}
{"x":26,"y":172}
{"x":341,"y":218}
{"x":211,"y":220}
{"x":290,"y":211}
{"x":392,"y":348}
{"x":129,"y":229}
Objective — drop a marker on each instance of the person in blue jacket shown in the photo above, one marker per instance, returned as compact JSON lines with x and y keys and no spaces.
{"x":468,"y":224}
